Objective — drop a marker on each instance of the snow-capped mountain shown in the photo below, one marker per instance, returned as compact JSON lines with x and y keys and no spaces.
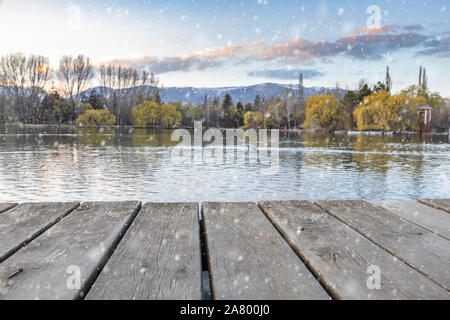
{"x":243,"y":93}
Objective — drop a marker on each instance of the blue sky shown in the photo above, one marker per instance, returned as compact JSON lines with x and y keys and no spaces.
{"x":229,"y":43}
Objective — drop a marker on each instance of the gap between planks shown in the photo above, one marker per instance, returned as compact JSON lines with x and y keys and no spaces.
{"x":85,"y":238}
{"x":158,"y":258}
{"x":397,"y":236}
{"x":28,"y":221}
{"x":6,"y":206}
{"x":249,"y":259}
{"x":441,"y":204}
{"x":339,"y":255}
{"x":119,"y":240}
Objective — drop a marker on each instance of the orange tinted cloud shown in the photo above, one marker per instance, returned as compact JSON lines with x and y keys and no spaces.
{"x":208,"y":58}
{"x":370,"y":44}
{"x":366,"y":44}
{"x":375,"y":30}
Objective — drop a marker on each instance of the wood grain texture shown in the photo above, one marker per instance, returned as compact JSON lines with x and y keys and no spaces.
{"x":84,"y":240}
{"x":424,"y":216}
{"x":6,"y":206}
{"x":23,"y":223}
{"x":340,"y":256}
{"x":419,"y":248}
{"x":159,"y":257}
{"x":249,"y":259}
{"x":441,"y":204}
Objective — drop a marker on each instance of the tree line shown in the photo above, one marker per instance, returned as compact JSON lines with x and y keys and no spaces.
{"x":371,"y":107}
{"x":31,"y":92}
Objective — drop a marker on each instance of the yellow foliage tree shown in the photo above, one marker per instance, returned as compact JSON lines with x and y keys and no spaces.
{"x":169,"y":116}
{"x":323,"y":112}
{"x":93,"y":118}
{"x":149,"y":113}
{"x":253,"y":120}
{"x":383,"y":111}
{"x":146,"y":114}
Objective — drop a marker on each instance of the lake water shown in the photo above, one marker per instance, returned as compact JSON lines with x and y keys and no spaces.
{"x":63,"y":164}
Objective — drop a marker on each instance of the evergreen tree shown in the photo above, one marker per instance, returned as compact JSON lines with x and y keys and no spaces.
{"x":257,"y":102}
{"x":94,"y":100}
{"x":227,"y":101}
{"x":423,"y":82}
{"x":248,"y":107}
{"x":364,"y":92}
{"x":301,"y":92}
{"x":380,"y":86}
{"x":157,"y":98}
{"x":350,"y":103}
{"x":239,"y":114}
{"x":420,"y":76}
{"x":424,"y":79}
{"x":56,"y":109}
{"x":227,"y":106}
{"x":388,"y":81}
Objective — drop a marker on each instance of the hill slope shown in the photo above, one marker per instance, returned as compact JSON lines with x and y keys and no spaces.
{"x":244,"y":93}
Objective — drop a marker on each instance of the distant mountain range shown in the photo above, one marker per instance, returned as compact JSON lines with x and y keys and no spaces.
{"x":243,"y":93}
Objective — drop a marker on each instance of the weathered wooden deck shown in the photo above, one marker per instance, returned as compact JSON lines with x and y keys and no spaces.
{"x":270,"y":250}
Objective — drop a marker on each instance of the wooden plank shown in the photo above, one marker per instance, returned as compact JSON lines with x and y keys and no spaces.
{"x":23,"y":223}
{"x":159,"y":257}
{"x":441,"y":204}
{"x":340,"y":257}
{"x":6,"y":206}
{"x":419,"y":248}
{"x":64,"y":261}
{"x":249,"y":259}
{"x":429,"y":218}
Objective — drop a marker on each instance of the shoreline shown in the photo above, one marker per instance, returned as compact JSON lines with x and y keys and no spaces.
{"x":296,"y":130}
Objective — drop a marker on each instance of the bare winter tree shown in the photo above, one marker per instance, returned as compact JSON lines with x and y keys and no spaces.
{"x":301,"y":97}
{"x":23,"y":81}
{"x":276,"y":109}
{"x":123,"y":88}
{"x":362,"y":83}
{"x":290,"y":105}
{"x":206,"y":106}
{"x":3,"y":106}
{"x":264,"y":105}
{"x":148,"y":87}
{"x":114,"y":80}
{"x":13,"y":80}
{"x":217,"y":110}
{"x":75,"y":74}
{"x":38,"y":75}
{"x":337,"y":93}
